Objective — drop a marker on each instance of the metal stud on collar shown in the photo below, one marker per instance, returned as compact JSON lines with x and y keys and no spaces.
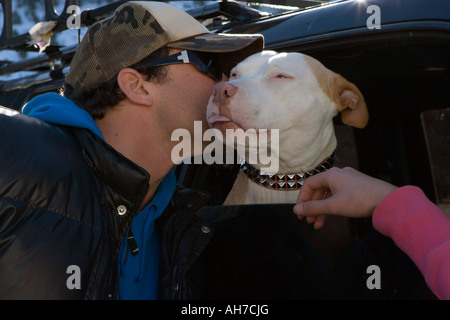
{"x":284,"y":182}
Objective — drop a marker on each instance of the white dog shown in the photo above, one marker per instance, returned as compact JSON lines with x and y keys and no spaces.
{"x":290,"y":99}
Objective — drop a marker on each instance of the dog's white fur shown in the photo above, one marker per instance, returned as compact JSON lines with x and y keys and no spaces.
{"x":291,"y":92}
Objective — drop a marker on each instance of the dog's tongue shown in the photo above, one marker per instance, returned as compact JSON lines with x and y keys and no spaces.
{"x":222,"y":123}
{"x":219,"y":118}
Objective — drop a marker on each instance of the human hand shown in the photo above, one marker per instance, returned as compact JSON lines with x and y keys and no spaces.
{"x":343,"y":192}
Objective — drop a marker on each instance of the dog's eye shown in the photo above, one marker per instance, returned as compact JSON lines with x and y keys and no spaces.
{"x":233,"y":75}
{"x":282,"y":76}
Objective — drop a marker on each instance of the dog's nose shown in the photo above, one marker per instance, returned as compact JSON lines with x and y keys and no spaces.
{"x":223,"y":91}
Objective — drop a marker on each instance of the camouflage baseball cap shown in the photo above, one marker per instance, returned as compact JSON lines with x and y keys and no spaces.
{"x":138,"y":28}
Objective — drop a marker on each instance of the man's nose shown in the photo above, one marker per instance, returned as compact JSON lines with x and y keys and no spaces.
{"x":223,"y":91}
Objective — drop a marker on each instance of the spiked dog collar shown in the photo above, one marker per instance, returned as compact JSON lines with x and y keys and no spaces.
{"x":284,"y":182}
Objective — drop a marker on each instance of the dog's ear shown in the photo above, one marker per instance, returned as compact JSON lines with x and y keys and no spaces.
{"x":347,"y":97}
{"x":350,"y":102}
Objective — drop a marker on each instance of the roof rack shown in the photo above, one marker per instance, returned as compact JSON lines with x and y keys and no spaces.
{"x":231,"y":10}
{"x":20,"y":42}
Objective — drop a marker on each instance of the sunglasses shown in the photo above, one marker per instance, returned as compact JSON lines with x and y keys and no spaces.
{"x":205,"y":62}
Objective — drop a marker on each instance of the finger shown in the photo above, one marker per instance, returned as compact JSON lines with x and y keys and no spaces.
{"x":312,"y":184}
{"x":313,"y":195}
{"x":319,"y":222}
{"x":310,"y":219}
{"x":313,"y":208}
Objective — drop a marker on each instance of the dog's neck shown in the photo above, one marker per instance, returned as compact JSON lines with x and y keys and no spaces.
{"x":284,"y":181}
{"x":296,"y":151}
{"x":302,"y":150}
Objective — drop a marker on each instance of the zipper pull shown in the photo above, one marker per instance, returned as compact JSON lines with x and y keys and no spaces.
{"x":132,"y":243}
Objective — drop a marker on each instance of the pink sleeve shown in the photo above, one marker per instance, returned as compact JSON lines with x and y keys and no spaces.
{"x":422,"y":231}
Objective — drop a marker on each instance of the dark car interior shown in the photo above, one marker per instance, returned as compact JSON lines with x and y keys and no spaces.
{"x":404,"y":77}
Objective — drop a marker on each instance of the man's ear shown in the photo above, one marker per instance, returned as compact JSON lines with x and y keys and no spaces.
{"x":135,"y":87}
{"x":350,"y":102}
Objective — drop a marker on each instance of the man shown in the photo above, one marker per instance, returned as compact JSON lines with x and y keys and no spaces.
{"x":86,"y":171}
